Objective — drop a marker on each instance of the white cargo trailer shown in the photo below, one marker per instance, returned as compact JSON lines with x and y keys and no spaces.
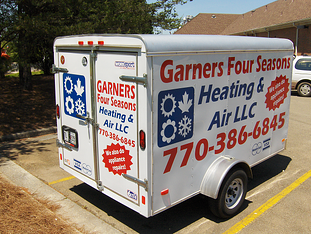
{"x":152,"y":120}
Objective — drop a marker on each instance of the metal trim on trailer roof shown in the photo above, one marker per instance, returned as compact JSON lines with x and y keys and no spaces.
{"x":100,"y":46}
{"x":86,"y":37}
{"x":200,"y":43}
{"x":170,"y":44}
{"x":178,"y":53}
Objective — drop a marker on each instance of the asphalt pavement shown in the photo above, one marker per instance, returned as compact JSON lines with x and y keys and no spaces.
{"x":278,"y":200}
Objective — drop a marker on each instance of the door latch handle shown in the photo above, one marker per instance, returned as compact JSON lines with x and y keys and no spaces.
{"x":141,"y":80}
{"x":59,"y":144}
{"x":58,"y":69}
{"x":87,"y":119}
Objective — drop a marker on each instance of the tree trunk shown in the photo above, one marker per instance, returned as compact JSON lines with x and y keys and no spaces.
{"x":20,"y":75}
{"x":46,"y":67}
{"x":25,"y":77}
{"x":2,"y":68}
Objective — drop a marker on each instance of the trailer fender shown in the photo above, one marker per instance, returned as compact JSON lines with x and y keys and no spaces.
{"x":216,"y":173}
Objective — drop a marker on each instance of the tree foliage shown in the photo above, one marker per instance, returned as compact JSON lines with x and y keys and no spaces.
{"x":7,"y":19}
{"x":7,"y":32}
{"x":165,"y":15}
{"x":33,"y":24}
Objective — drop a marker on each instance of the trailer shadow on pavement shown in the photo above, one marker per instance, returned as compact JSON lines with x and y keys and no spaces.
{"x":183,"y":214}
{"x":39,"y":157}
{"x":268,"y":169}
{"x":169,"y":221}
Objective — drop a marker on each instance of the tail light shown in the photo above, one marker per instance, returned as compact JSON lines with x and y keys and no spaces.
{"x":57,"y":111}
{"x":142,"y":139}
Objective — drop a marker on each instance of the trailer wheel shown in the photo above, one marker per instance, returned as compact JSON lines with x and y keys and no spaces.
{"x":304,"y":89}
{"x":231,"y":194}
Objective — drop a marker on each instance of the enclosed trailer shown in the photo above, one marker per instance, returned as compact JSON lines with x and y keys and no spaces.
{"x":152,"y":120}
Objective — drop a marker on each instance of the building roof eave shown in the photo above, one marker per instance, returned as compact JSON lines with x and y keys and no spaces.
{"x":289,"y":24}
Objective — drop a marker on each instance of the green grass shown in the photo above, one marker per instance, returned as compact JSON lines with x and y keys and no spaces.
{"x":37,"y":73}
{"x":17,"y":74}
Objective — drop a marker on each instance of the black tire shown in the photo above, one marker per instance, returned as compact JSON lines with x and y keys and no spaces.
{"x":304,"y":89}
{"x":231,"y":194}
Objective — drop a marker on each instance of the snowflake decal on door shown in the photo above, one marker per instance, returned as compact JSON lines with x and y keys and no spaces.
{"x":74,"y":95}
{"x":185,"y":126}
{"x":175,"y":115}
{"x":80,"y":107}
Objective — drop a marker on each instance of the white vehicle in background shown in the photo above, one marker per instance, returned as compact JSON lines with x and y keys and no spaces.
{"x":152,"y":120}
{"x":301,"y":78}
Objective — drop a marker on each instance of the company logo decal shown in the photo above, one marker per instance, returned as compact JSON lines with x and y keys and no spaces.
{"x":132,"y":195}
{"x":74,"y":95}
{"x":86,"y":169}
{"x":125,"y":65}
{"x":67,"y":161}
{"x":266,"y":144}
{"x":175,"y":115}
{"x":256,"y":148}
{"x":77,"y":164}
{"x":117,"y":159}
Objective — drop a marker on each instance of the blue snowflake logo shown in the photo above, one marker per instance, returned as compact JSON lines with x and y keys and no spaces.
{"x":175,"y":115}
{"x":74,"y":95}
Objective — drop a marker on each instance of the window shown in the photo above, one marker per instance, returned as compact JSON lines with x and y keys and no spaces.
{"x":303,"y":64}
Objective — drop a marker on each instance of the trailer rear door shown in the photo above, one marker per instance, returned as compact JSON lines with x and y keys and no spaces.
{"x":117,"y":119}
{"x":75,"y":106}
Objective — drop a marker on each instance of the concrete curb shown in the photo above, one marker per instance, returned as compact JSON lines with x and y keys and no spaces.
{"x":69,"y":210}
{"x":33,"y":133}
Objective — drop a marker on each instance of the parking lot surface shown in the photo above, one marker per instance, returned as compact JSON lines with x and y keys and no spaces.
{"x":278,"y":199}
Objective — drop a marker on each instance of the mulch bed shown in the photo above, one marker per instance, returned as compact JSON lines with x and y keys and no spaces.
{"x":22,"y":110}
{"x":21,"y":213}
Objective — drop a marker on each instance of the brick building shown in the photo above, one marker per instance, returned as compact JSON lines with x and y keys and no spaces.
{"x":283,"y":18}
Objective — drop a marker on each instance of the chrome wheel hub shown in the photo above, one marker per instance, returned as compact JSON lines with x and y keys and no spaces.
{"x":234,"y":193}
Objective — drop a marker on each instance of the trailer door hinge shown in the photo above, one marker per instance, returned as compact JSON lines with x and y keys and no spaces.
{"x":58,"y":69}
{"x":144,"y":183}
{"x":100,"y":186}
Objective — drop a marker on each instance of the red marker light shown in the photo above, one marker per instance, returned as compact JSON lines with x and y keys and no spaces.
{"x":164,"y":192}
{"x":100,"y":42}
{"x":143,"y":200}
{"x":57,"y":111}
{"x":142,"y":139}
{"x":80,"y":43}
